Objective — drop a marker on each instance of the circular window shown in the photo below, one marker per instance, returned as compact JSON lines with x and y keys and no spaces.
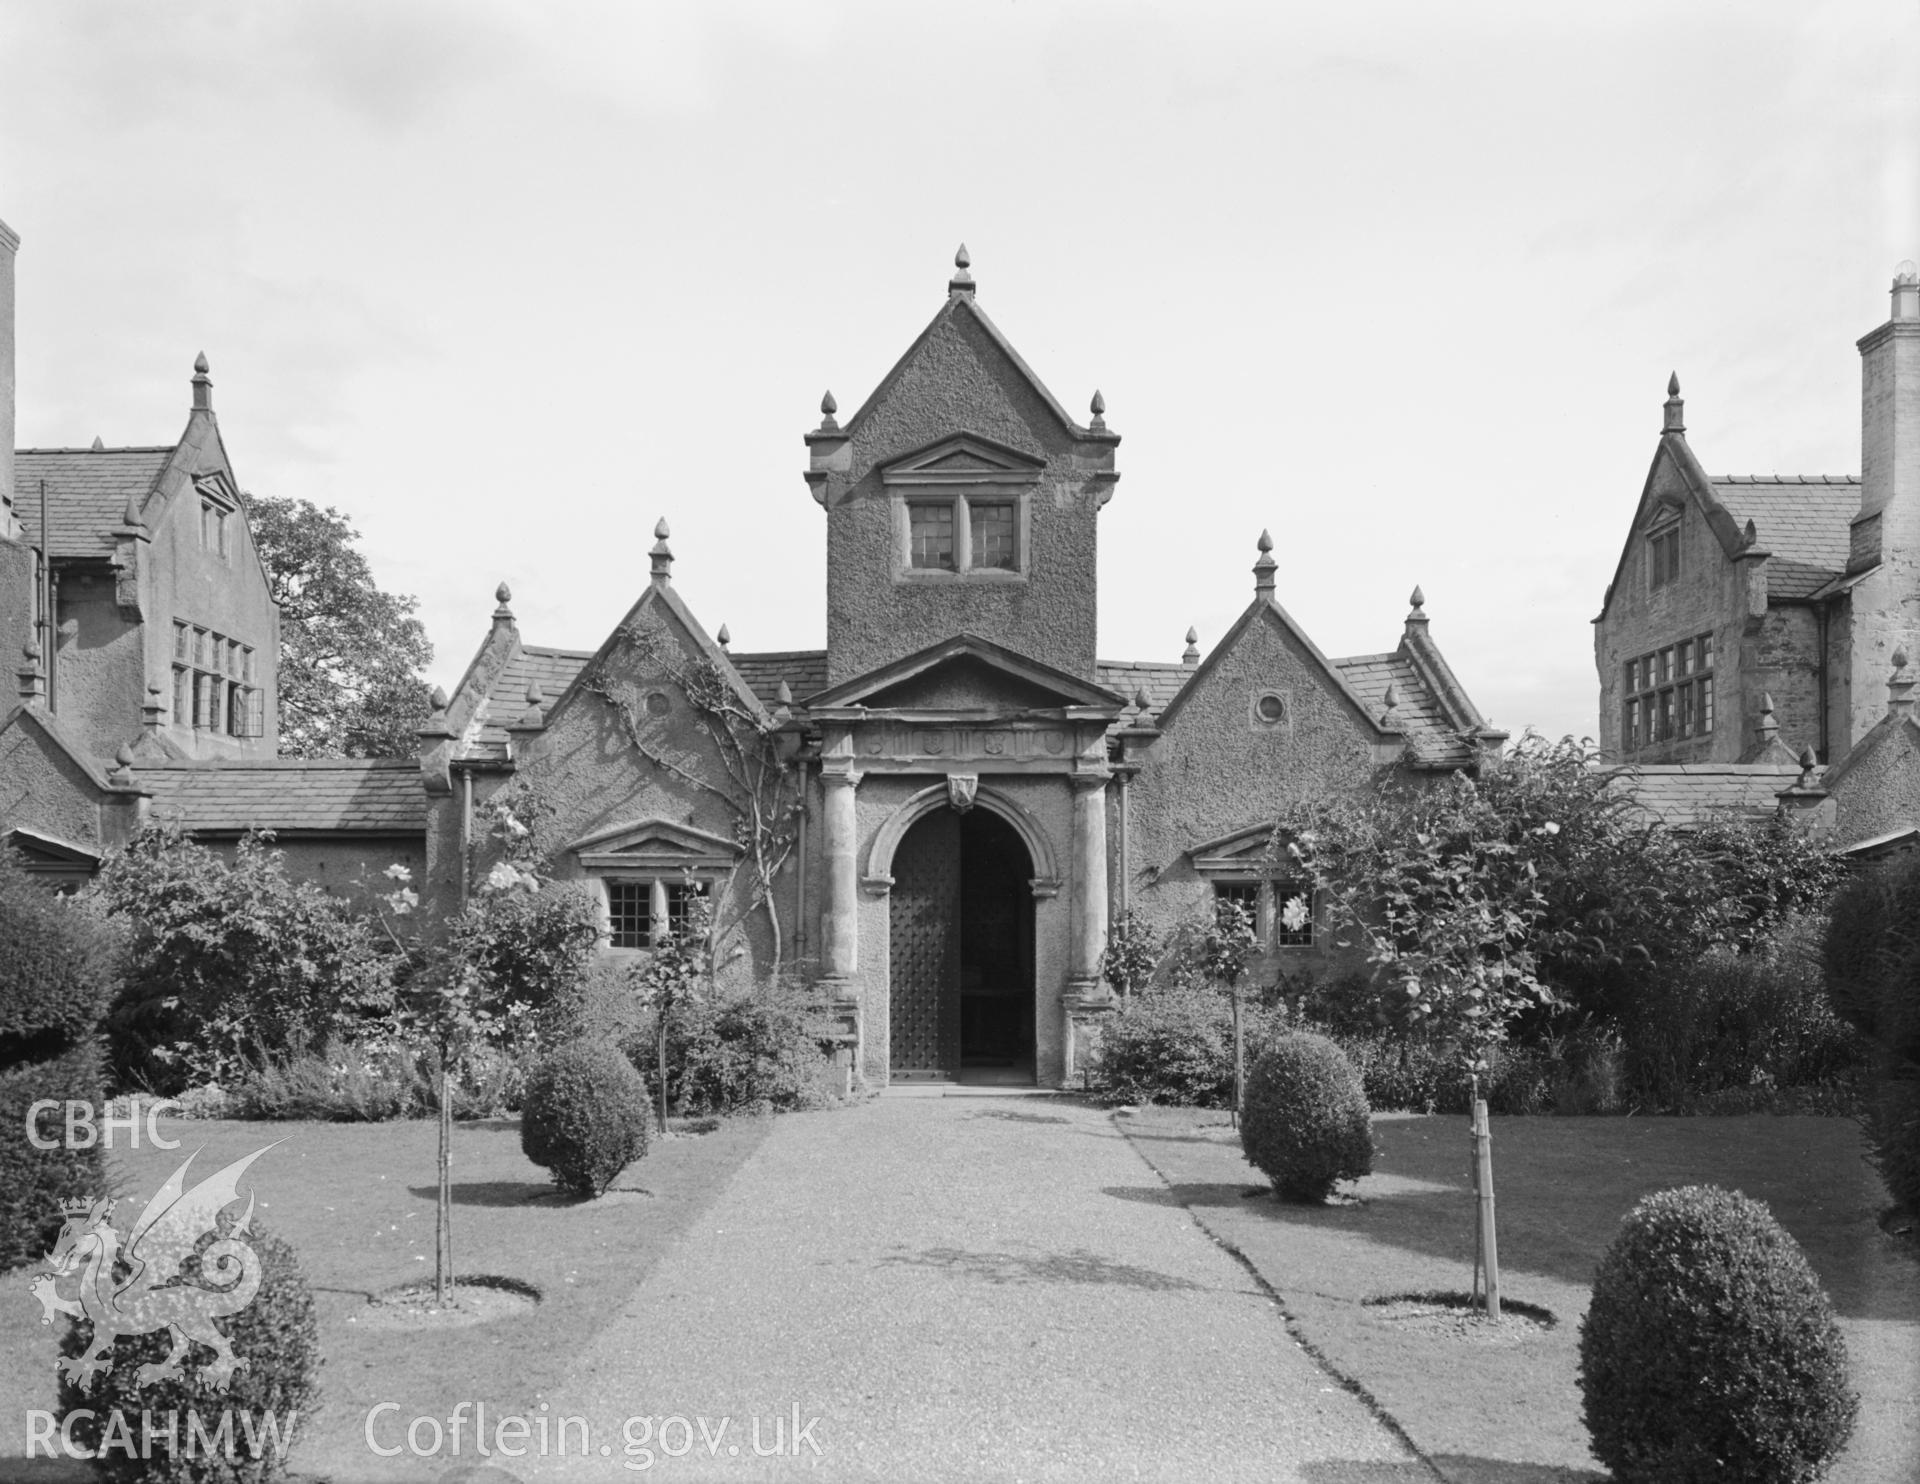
{"x":1270,"y":709}
{"x":657,"y":703}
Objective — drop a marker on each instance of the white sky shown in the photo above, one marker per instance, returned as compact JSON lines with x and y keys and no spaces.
{"x":506,"y":283}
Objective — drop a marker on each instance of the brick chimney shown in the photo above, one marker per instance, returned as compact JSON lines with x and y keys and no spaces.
{"x":9,"y":245}
{"x":1886,"y":532}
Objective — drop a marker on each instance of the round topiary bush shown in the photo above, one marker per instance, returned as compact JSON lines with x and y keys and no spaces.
{"x":1710,"y":1350}
{"x":199,"y":1433}
{"x":584,"y":1116}
{"x":1306,"y":1124}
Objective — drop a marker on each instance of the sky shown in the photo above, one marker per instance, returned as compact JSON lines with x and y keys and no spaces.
{"x":1402,"y":284}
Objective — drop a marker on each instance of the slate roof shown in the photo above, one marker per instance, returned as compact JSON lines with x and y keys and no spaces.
{"x":87,"y":492}
{"x":1161,"y":683}
{"x":1691,"y":793}
{"x":506,"y":702}
{"x":290,"y":794}
{"x":804,"y":670}
{"x":1801,"y":518}
{"x":1416,"y":711}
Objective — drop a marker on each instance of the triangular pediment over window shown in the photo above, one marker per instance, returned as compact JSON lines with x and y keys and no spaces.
{"x":969,"y":674}
{"x":659,"y":845}
{"x":1243,"y":851}
{"x":965,"y":458}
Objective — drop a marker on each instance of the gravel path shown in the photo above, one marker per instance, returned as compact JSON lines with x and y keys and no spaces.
{"x":960,"y":1288}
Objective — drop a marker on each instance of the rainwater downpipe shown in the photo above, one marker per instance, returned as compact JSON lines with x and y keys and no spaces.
{"x":800,"y":888}
{"x":466,"y":829}
{"x":1825,"y":614}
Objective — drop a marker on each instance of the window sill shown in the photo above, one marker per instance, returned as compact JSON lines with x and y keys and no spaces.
{"x":990,"y":576}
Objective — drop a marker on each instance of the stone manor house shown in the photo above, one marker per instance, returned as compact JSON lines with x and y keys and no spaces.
{"x":1756,"y":644}
{"x":933,"y":820}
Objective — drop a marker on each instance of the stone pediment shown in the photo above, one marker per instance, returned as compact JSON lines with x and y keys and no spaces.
{"x":661,"y":844}
{"x":963,"y":459}
{"x":968,"y":676}
{"x":1244,"y":850}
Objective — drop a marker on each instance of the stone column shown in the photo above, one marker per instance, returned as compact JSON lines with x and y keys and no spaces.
{"x":1089,"y":940}
{"x":840,"y":904}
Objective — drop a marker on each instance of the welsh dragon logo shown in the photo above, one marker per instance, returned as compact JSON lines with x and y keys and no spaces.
{"x":138,"y":1289}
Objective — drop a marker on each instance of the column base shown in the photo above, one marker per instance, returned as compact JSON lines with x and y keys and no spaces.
{"x":1084,"y":1008}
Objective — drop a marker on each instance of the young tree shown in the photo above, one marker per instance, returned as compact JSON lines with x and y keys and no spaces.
{"x":673,"y":974}
{"x":1229,"y":944}
{"x":1447,"y":904}
{"x":350,"y":654}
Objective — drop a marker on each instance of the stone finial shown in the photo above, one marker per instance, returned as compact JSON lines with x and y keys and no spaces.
{"x":438,"y":700}
{"x":536,"y":693}
{"x":1900,"y":687}
{"x":1417,"y":609}
{"x":99,"y":444}
{"x":783,"y":703}
{"x":1675,"y":420}
{"x":534,"y":717}
{"x":502,"y":614}
{"x":662,"y":554}
{"x":202,"y":384}
{"x":962,"y":281}
{"x":725,"y":636}
{"x":121,"y":773}
{"x":1390,"y":700}
{"x":131,"y":515}
{"x":827,"y":409}
{"x":1263,"y":567}
{"x":1099,"y":409}
{"x":1192,"y":655}
{"x":1749,"y":535}
{"x":1808,"y":762}
{"x":1140,"y":698}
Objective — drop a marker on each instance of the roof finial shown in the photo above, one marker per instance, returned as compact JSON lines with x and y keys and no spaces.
{"x":1809,"y":760}
{"x":1899,"y":687}
{"x":438,"y":700}
{"x":1192,"y":655}
{"x":1674,"y":422}
{"x":827,"y":409}
{"x":1263,"y":567}
{"x":725,"y":636}
{"x":99,"y":444}
{"x":502,"y":595}
{"x":202,"y":384}
{"x":1768,"y":728}
{"x":1099,"y":406}
{"x":1140,"y":698}
{"x":662,"y":554}
{"x":962,"y":281}
{"x":1390,"y":700}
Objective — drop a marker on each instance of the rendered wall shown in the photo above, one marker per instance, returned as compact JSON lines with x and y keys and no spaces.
{"x":960,"y":381}
{"x":1215,"y":771}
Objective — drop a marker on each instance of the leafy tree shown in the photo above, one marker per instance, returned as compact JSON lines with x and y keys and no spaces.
{"x":227,"y":963}
{"x":350,"y":654}
{"x":672,"y":976}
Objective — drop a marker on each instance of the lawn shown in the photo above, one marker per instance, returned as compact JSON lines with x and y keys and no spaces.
{"x":1506,"y":1410}
{"x":357,"y":1202}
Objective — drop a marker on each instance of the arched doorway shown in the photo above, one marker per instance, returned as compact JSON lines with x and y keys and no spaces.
{"x":961,"y":951}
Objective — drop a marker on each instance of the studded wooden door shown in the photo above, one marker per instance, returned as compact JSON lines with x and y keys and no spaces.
{"x":923,"y":1027}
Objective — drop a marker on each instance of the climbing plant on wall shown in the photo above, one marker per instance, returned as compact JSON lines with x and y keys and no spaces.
{"x":757,"y":784}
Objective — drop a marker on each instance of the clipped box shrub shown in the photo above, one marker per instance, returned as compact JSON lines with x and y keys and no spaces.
{"x":57,"y":976}
{"x":1306,"y":1125}
{"x":1710,"y":1350}
{"x":585,"y":1117}
{"x":275,"y":1393}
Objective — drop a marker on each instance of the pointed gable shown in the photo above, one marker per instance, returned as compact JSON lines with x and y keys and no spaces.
{"x":655,"y":845}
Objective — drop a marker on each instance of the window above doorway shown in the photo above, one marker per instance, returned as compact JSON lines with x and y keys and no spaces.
{"x":962,"y":510}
